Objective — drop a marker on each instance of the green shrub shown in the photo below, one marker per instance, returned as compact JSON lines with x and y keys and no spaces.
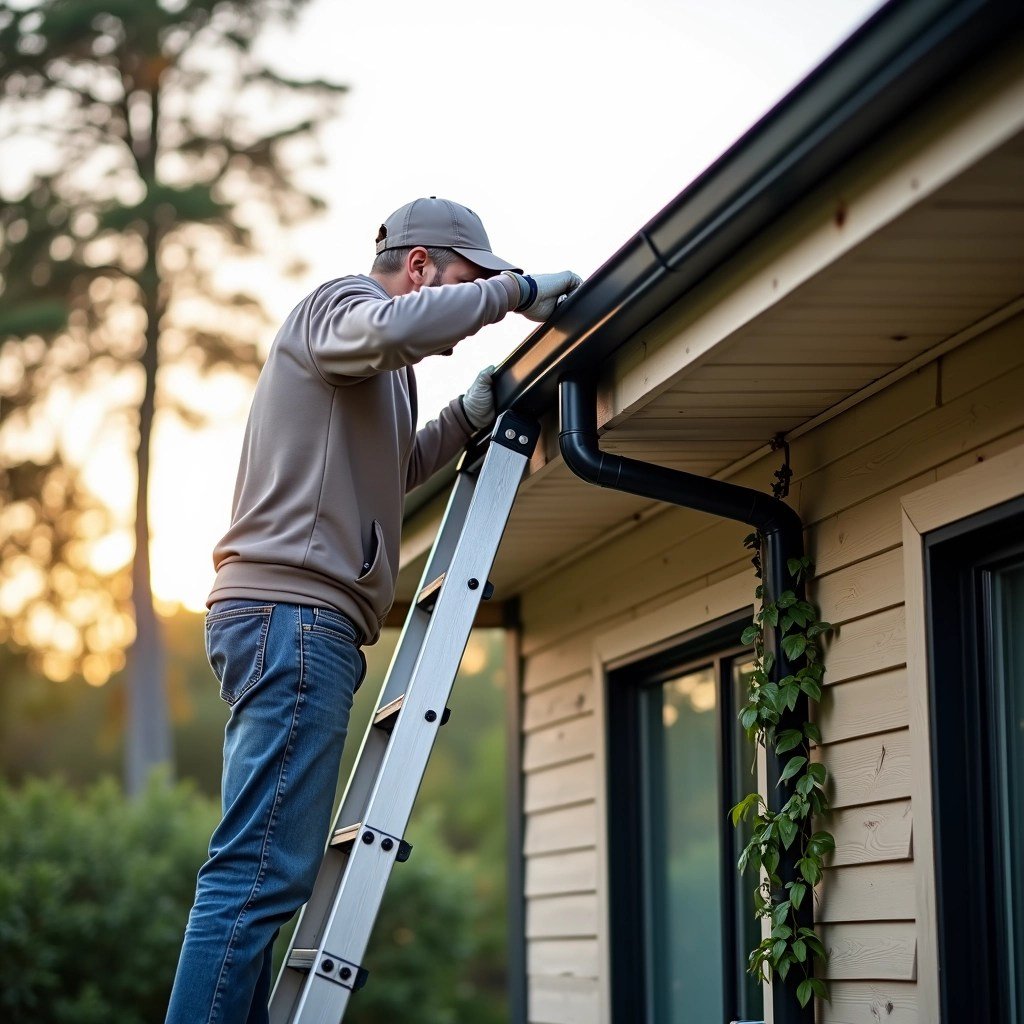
{"x":94,"y":896}
{"x":95,"y":891}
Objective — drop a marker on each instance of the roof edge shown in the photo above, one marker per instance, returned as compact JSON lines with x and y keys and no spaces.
{"x":907,"y":51}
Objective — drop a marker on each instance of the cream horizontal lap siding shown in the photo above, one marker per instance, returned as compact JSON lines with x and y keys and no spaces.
{"x":678,"y":569}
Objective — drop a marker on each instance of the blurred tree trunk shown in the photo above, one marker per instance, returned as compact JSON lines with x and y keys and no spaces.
{"x":149,"y":729}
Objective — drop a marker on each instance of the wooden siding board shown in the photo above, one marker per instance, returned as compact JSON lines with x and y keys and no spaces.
{"x":876,"y":703}
{"x":995,"y":447}
{"x":863,"y":588}
{"x":559,"y":743}
{"x":867,"y":528}
{"x":863,"y":835}
{"x":870,"y":951}
{"x":569,"y":828}
{"x":716,"y":377}
{"x":866,"y":646}
{"x":861,"y":1002}
{"x":991,"y":355}
{"x":556,"y":663}
{"x":777,"y":402}
{"x":628,"y":575}
{"x":563,"y":1000}
{"x":868,"y":770}
{"x":885,"y":278}
{"x":572,"y":783}
{"x":752,"y":430}
{"x":558,"y":703}
{"x":563,"y":917}
{"x":574,"y":958}
{"x":829,"y":346}
{"x":866,"y":892}
{"x":560,"y":873}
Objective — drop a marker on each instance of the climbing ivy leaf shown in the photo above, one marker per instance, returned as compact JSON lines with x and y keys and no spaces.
{"x":794,"y":766}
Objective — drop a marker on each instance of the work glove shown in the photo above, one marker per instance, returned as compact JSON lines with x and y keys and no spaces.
{"x":541,"y":293}
{"x":478,"y":401}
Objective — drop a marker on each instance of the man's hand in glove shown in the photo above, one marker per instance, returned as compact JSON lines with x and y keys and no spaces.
{"x":478,"y":401}
{"x":539,"y":294}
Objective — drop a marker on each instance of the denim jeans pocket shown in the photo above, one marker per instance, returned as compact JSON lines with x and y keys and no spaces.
{"x":329,"y":623}
{"x":326,"y":620}
{"x":236,"y":644}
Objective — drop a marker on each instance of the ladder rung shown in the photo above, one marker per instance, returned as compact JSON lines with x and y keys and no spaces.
{"x":387,"y":715}
{"x":346,"y":836}
{"x":302,"y":959}
{"x":428,"y":595}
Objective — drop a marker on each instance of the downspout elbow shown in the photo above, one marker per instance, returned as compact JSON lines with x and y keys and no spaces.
{"x":577,"y":434}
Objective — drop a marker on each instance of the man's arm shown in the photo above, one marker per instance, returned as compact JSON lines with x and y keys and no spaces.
{"x":438,"y":443}
{"x":355,"y":331}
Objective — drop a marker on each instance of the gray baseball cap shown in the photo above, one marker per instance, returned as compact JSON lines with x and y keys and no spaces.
{"x":444,"y":224}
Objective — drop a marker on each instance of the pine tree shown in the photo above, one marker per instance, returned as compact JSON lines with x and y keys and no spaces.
{"x":144,"y":144}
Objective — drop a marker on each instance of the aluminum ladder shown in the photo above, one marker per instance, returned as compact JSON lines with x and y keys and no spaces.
{"x":324,"y":964}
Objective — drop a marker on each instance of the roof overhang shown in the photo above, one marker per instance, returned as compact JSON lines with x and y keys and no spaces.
{"x":767,"y":294}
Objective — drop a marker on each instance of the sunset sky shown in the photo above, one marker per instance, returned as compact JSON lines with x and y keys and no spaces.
{"x":565,"y":125}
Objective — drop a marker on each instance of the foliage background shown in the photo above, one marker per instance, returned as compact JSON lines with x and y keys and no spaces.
{"x":96,"y":888}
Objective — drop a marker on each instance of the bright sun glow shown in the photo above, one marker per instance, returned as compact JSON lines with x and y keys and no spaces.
{"x":190,"y":492}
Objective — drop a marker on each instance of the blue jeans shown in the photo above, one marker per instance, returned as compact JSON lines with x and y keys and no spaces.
{"x":289,"y":673}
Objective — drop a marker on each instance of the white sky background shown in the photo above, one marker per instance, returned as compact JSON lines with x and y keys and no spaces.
{"x":565,"y":125}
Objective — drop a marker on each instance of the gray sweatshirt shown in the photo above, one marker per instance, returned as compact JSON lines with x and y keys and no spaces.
{"x":331,"y":444}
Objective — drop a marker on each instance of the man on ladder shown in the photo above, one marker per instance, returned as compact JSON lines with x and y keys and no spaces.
{"x":306,"y":571}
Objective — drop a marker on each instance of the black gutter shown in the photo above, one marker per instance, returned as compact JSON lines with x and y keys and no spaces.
{"x":905,"y":55}
{"x":782,"y":534}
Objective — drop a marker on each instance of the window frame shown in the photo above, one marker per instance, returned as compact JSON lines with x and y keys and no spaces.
{"x":633,"y":967}
{"x":965,"y":714}
{"x":991,"y":480}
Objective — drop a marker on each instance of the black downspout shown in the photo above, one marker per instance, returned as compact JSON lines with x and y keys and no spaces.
{"x":783,"y":539}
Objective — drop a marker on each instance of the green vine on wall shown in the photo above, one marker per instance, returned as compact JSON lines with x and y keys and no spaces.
{"x":788,"y":946}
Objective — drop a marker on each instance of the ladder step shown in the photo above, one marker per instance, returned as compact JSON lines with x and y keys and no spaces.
{"x":428,"y":595}
{"x":345,"y":837}
{"x":301,"y":959}
{"x":387,"y":716}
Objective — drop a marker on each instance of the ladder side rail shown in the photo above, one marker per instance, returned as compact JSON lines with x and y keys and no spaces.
{"x":448,"y":632}
{"x":360,"y":783}
{"x":313,"y":915}
{"x":324,"y":997}
{"x":415,"y":626}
